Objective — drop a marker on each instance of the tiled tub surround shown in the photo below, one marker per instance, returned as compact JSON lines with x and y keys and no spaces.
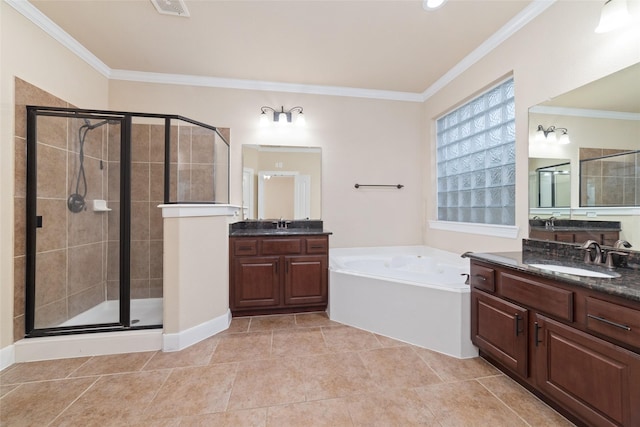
{"x":288,"y":370}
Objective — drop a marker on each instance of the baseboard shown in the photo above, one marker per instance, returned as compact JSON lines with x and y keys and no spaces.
{"x":98,"y":344}
{"x":181,"y":340}
{"x":7,"y":356}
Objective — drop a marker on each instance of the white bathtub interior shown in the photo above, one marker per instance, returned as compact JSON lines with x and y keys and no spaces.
{"x":414,"y":294}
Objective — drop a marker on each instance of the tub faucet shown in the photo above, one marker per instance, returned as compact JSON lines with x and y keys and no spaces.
{"x":592,"y":245}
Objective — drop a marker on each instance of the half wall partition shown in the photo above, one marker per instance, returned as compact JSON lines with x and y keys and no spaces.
{"x":94,"y":233}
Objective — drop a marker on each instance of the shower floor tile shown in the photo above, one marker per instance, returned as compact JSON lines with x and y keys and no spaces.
{"x":292,"y":370}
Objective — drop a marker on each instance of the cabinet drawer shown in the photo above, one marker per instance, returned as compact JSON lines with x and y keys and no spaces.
{"x":482,"y":278}
{"x":245,"y":247}
{"x":545,"y":298}
{"x":317,"y":246}
{"x":281,"y":246}
{"x":613,"y":320}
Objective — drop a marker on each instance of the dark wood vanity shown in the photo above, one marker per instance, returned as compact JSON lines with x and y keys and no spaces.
{"x":278,"y":271}
{"x":573,"y":341}
{"x":576,"y":231}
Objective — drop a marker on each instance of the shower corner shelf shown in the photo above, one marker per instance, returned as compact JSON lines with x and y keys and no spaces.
{"x":100,"y":206}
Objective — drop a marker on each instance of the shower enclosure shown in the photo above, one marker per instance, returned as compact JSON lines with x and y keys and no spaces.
{"x":93,"y":226}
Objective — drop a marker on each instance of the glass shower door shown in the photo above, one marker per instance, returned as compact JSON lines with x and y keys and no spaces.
{"x":73,"y":217}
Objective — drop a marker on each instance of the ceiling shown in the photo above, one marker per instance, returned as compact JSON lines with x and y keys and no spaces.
{"x":619,"y":91}
{"x":392,"y":45}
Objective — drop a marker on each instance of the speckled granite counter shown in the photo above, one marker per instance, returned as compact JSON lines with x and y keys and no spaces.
{"x":270,"y":228}
{"x":545,"y":252}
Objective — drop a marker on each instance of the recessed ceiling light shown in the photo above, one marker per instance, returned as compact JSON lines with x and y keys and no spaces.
{"x":171,"y":7}
{"x":432,"y":4}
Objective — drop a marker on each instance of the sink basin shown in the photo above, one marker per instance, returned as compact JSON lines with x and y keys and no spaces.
{"x":575,"y":271}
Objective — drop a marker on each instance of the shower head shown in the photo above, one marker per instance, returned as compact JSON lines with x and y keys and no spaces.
{"x":88,"y":126}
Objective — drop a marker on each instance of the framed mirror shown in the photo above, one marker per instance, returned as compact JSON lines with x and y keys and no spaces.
{"x":601,"y":117}
{"x":281,"y":182}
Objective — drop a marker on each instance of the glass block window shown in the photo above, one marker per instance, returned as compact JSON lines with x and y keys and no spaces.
{"x":476,"y":157}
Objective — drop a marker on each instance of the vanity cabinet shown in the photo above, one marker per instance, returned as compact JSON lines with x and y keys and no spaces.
{"x":278,"y":274}
{"x":578,"y":348}
{"x":607,"y":238}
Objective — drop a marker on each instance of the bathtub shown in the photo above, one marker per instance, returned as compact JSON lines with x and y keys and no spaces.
{"x":414,"y":294}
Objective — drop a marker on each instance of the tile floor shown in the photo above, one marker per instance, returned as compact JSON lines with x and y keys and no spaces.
{"x":289,"y":370}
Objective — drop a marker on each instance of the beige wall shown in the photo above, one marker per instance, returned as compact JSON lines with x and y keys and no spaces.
{"x":31,"y":55}
{"x":363,"y":141}
{"x":556,"y":52}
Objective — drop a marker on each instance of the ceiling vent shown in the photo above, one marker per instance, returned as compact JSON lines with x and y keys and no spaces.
{"x":171,"y":7}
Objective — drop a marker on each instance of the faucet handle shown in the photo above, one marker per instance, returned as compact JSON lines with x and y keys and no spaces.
{"x":619,"y":244}
{"x":610,"y":254}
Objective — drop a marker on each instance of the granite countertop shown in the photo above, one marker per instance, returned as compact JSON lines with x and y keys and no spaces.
{"x":575,"y":225}
{"x":626,"y":286}
{"x":278,"y":232}
{"x":569,"y":228}
{"x":277,"y":228}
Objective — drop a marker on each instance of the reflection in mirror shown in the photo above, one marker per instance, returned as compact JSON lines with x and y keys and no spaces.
{"x":281,"y":182}
{"x":550,"y":185}
{"x":604,"y":117}
{"x":609,"y":177}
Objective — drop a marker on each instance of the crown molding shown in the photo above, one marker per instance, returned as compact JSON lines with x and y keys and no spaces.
{"x":584,"y":112}
{"x":510,"y":28}
{"x":47,"y":25}
{"x":189,"y":80}
{"x":34,"y":15}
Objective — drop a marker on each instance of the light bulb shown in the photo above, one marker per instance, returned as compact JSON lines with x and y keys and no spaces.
{"x":300,"y":120}
{"x":551,"y":137}
{"x":263,"y":119}
{"x":614,"y":15}
{"x":282,"y":118}
{"x":564,"y":138}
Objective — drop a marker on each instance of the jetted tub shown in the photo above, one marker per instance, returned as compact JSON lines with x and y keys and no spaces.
{"x":414,"y":294}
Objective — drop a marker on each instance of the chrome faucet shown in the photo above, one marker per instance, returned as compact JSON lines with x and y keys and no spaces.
{"x":588,"y":246}
{"x":619,"y":244}
{"x":550,"y":222}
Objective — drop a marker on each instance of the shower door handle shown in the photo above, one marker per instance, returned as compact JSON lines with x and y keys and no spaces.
{"x":39,"y":221}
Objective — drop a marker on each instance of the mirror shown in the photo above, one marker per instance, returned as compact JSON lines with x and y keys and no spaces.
{"x":281,"y":182}
{"x":603,"y":117}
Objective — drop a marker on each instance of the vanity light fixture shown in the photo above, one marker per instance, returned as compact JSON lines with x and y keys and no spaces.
{"x":552,"y":135}
{"x":282,"y":116}
{"x":614,"y":15}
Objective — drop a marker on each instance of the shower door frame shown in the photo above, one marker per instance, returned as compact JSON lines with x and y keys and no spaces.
{"x":33,"y":221}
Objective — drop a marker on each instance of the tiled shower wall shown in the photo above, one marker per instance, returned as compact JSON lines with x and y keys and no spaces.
{"x":615,"y":180}
{"x":147,"y":192}
{"x":71,"y":247}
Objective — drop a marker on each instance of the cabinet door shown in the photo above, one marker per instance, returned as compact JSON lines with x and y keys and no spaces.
{"x":499,"y":328}
{"x":256,"y":282}
{"x":594,"y":379}
{"x":305,"y":280}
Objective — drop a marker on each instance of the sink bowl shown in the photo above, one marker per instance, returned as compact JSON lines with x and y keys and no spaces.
{"x":575,"y":271}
